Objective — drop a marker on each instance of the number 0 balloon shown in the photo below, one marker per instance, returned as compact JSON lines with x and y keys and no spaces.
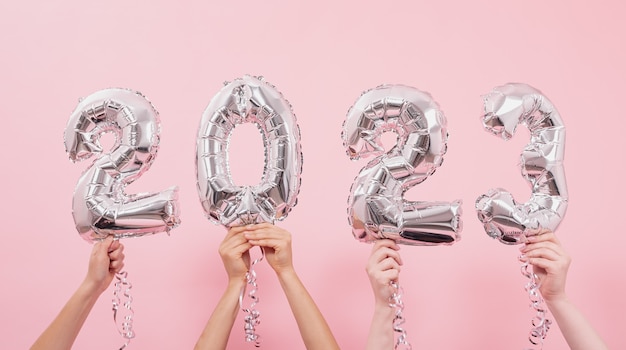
{"x":506,"y":107}
{"x":248,"y":100}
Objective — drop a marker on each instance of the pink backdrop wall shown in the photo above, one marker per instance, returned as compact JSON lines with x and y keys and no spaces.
{"x":321,"y":55}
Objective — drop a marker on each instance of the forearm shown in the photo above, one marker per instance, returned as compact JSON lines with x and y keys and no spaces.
{"x":313,"y":327}
{"x":577,"y":331}
{"x":217,"y":330}
{"x":380,"y":336}
{"x":64,"y":329}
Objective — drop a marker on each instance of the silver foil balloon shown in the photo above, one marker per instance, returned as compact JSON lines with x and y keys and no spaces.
{"x":100,"y":205}
{"x":376,"y":207}
{"x":248,"y":100}
{"x":505,"y":108}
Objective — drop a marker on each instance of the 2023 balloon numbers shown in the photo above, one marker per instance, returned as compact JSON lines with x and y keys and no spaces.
{"x":376,"y":208}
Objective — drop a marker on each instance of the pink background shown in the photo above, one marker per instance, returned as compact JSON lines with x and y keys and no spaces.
{"x":321,"y":56}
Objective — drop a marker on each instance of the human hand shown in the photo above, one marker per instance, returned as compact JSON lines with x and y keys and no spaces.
{"x":234,"y":251}
{"x":275,"y":241}
{"x":383,"y":267}
{"x":550,"y":263}
{"x":107,"y":259}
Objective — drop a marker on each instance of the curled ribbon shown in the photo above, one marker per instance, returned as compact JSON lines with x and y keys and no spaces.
{"x":127,"y":321}
{"x":251,"y":320}
{"x":395,"y":301}
{"x":540,"y":323}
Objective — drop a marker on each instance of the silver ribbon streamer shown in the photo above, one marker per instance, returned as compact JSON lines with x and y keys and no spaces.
{"x":540,"y":323}
{"x":122,"y":291}
{"x":395,"y":301}
{"x":251,"y":320}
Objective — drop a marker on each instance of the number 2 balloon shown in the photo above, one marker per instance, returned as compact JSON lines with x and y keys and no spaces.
{"x":376,"y":207}
{"x":100,"y":205}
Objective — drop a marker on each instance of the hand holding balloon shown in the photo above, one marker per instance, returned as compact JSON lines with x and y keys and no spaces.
{"x":234,"y":251}
{"x":107,"y":259}
{"x":550,"y":264}
{"x":383,"y":268}
{"x":276,"y":243}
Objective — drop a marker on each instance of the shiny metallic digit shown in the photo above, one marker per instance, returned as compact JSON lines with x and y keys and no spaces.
{"x":248,"y":100}
{"x":376,"y":207}
{"x":100,"y":206}
{"x":506,"y":107}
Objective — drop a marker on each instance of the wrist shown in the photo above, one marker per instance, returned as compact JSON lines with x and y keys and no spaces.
{"x":553,"y":294}
{"x":236,"y":281}
{"x":382,"y":301}
{"x":90,"y":289}
{"x":383,"y":310}
{"x":286,"y":273}
{"x":382,"y":293}
{"x":556,"y":300}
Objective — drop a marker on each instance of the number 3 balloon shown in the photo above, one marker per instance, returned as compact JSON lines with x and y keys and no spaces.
{"x":100,"y":206}
{"x":542,"y":165}
{"x":376,"y":208}
{"x":248,"y":100}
